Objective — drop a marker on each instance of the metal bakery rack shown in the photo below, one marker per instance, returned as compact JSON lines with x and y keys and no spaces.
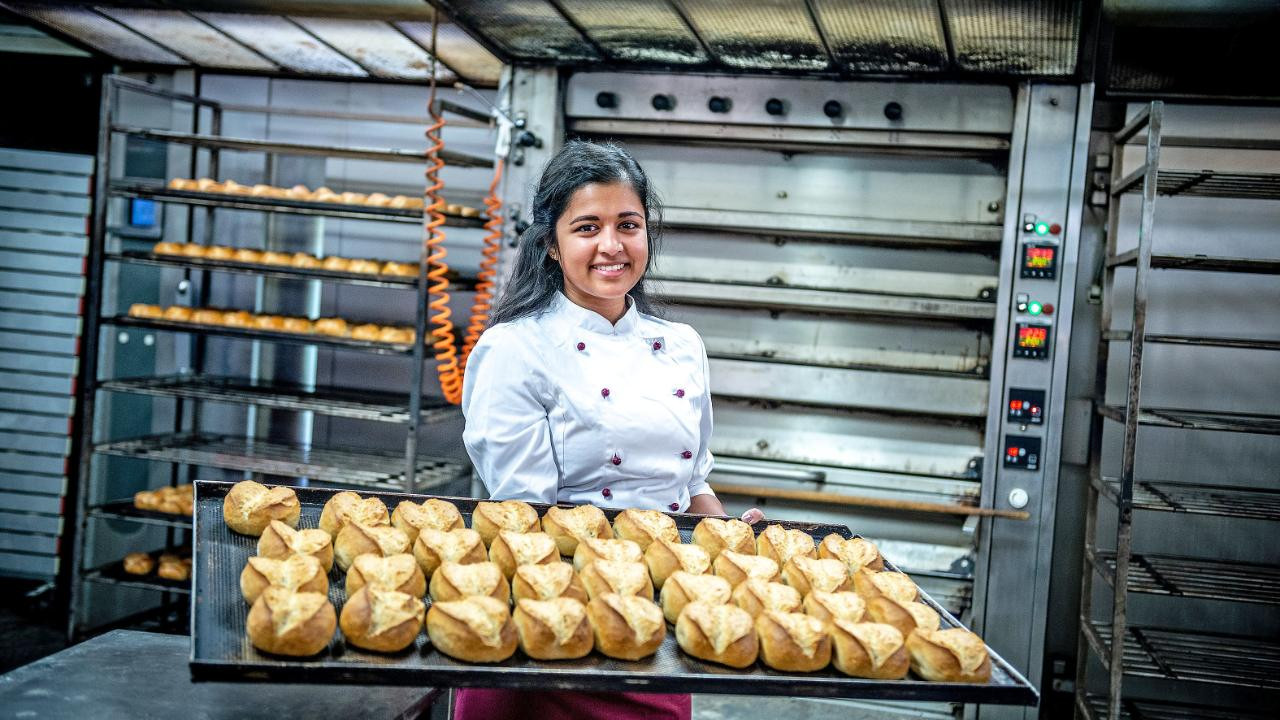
{"x":188,"y":446}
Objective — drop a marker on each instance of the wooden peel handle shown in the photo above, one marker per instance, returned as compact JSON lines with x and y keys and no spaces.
{"x":863,"y":501}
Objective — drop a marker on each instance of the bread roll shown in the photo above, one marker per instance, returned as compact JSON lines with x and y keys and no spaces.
{"x":209,"y":185}
{"x":177,"y":313}
{"x":279,"y":541}
{"x":285,"y":622}
{"x":333,"y":327}
{"x":545,"y":582}
{"x":477,"y":629}
{"x":354,"y":198}
{"x":271,"y":257}
{"x":569,"y":525}
{"x":758,"y":596}
{"x":219,"y":252}
{"x":903,"y":615}
{"x":451,"y":209}
{"x":469,"y":212}
{"x":954,"y":655}
{"x":324,"y":194}
{"x":165,"y":247}
{"x":683,"y":588}
{"x":871,"y":585}
{"x":394,"y":572}
{"x":268,"y":322}
{"x":555,"y":629}
{"x":512,"y":549}
{"x":401,"y":202}
{"x":143,"y":310}
{"x":399,"y":269}
{"x":665,"y":557}
{"x":300,"y":573}
{"x":262,"y":191}
{"x":855,"y":553}
{"x":722,"y":634}
{"x":377,"y":200}
{"x":626,"y":627}
{"x":247,"y":255}
{"x":304,"y":260}
{"x":382,"y":620}
{"x":452,"y":581}
{"x":249,"y":507}
{"x":831,"y":606}
{"x":807,"y":574}
{"x":147,"y":500}
{"x":714,"y":535}
{"x":737,"y":567}
{"x":356,"y":539}
{"x":780,"y":544}
{"x":346,"y":507}
{"x":395,"y":335}
{"x":334,"y":262}
{"x":364,"y":267}
{"x":182,"y":184}
{"x":138,"y":563}
{"x":412,"y":517}
{"x":869,"y":650}
{"x":644,"y":526}
{"x":619,"y":577}
{"x":489,"y":518}
{"x":298,"y":192}
{"x":434,"y":547}
{"x":367,"y":332}
{"x":237,"y":318}
{"x":176,"y":571}
{"x":793,"y":642}
{"x":592,"y":549}
{"x":296,"y":325}
{"x":191,"y":249}
{"x":206,"y":316}
{"x":231,"y":187}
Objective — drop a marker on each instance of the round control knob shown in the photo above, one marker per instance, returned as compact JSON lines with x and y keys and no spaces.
{"x":833,"y":109}
{"x":663,"y":102}
{"x":607,"y":100}
{"x":774,"y":106}
{"x":893,"y":111}
{"x":1018,"y":498}
{"x":719,"y":104}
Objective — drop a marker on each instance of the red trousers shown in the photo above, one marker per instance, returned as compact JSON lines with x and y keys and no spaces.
{"x":486,"y":704}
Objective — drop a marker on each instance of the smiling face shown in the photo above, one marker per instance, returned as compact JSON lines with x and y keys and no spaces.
{"x":602,"y":245}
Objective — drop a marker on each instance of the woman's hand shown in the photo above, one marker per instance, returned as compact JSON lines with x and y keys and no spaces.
{"x":753,"y":516}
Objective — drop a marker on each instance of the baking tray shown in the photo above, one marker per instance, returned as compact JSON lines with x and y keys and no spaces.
{"x":220,"y":649}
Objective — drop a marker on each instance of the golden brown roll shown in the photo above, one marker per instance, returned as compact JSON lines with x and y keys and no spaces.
{"x":954,"y":655}
{"x":164,"y":247}
{"x":270,"y":257}
{"x":592,"y":549}
{"x":513,"y":549}
{"x":367,"y":332}
{"x":182,"y":184}
{"x":296,"y":325}
{"x":249,"y":507}
{"x":300,"y":573}
{"x":453,"y":581}
{"x":831,"y":606}
{"x":177,"y":313}
{"x":143,"y":310}
{"x":231,"y":187}
{"x":304,"y":260}
{"x":400,"y":202}
{"x":780,"y":544}
{"x":555,"y":629}
{"x":714,"y":535}
{"x":433,"y":513}
{"x":209,"y":185}
{"x":855,"y":553}
{"x":279,"y":541}
{"x":346,"y":507}
{"x":298,"y":192}
{"x":665,"y":557}
{"x":364,"y":267}
{"x":490,"y":517}
{"x":334,"y":262}
{"x":285,"y":622}
{"x":434,"y":547}
{"x":395,"y":335}
{"x":758,"y":596}
{"x":683,"y":588}
{"x":807,"y":574}
{"x":903,"y":615}
{"x":619,"y":577}
{"x":394,"y":572}
{"x":138,"y":563}
{"x":356,"y":539}
{"x":247,"y":255}
{"x":569,"y":525}
{"x":333,"y":327}
{"x":545,"y":582}
{"x":793,"y":642}
{"x":377,"y":200}
{"x":179,"y":570}
{"x":191,"y":249}
{"x":644,"y":526}
{"x":451,"y":209}
{"x":262,"y":191}
{"x":268,"y":322}
{"x":237,"y":318}
{"x":722,"y":634}
{"x":382,"y":620}
{"x":476,"y":629}
{"x":870,"y":585}
{"x":737,"y":567}
{"x":626,"y":627}
{"x":354,"y":198}
{"x":324,"y":194}
{"x":147,"y":500}
{"x":869,"y":650}
{"x":206,"y":316}
{"x":399,"y":269}
{"x":220,"y":252}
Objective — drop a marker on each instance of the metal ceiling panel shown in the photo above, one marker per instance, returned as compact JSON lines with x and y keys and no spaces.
{"x":647,"y":31}
{"x":377,"y":46}
{"x":101,"y":33}
{"x":197,"y":41}
{"x":458,"y":50}
{"x":1017,"y":37}
{"x":884,"y":36}
{"x":762,"y":35}
{"x":527,"y":29}
{"x":284,"y":43}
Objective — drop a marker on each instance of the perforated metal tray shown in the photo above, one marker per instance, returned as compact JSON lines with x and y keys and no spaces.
{"x":220,"y":649}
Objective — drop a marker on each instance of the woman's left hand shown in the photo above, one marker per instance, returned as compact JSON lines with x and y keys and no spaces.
{"x":753,"y":516}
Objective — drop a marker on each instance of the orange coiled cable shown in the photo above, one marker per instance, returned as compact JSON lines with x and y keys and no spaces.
{"x":442,"y":338}
{"x":488,"y":267}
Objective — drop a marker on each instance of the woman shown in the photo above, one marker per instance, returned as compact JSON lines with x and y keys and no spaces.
{"x":578,"y":393}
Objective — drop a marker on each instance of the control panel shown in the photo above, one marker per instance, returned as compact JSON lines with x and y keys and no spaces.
{"x":1026,"y":407}
{"x":1022,"y":452}
{"x":1031,"y":340}
{"x":1039,"y":259}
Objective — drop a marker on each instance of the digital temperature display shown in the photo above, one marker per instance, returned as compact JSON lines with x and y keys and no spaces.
{"x":1039,"y":262}
{"x":1031,"y":341}
{"x":1040,"y":257}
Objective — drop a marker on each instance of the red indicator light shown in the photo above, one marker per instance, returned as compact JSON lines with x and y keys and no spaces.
{"x":1013,"y":451}
{"x":1054,"y":229}
{"x":1047,"y":309}
{"x":1014,"y":405}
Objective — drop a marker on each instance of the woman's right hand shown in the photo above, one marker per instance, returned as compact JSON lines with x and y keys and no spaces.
{"x":753,"y":516}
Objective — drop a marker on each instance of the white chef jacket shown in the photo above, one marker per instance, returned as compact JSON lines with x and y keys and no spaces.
{"x":563,"y":406}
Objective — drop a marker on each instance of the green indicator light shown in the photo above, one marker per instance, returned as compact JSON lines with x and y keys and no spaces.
{"x":1042,"y":228}
{"x":1035,"y":308}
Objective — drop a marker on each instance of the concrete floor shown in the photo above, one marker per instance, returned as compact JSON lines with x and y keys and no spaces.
{"x":734,"y":707}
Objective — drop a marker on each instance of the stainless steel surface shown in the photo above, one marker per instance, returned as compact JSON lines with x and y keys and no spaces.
{"x":200,"y":44}
{"x":820,"y":301}
{"x":284,"y":43}
{"x":909,"y":231}
{"x":377,"y":47}
{"x":1094,"y":707}
{"x":97,"y":31}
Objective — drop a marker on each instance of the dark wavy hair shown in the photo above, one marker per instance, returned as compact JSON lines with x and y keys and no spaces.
{"x":535,"y":277}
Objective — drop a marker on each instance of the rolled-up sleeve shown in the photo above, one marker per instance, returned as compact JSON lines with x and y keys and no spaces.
{"x":703,"y":461}
{"x":507,"y":434}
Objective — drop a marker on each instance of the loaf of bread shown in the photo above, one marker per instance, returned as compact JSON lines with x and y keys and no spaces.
{"x":139,"y":563}
{"x":870,"y":585}
{"x":284,"y":622}
{"x":172,"y":568}
{"x":394,"y":572}
{"x":555,"y":629}
{"x":333,"y":327}
{"x":177,"y":313}
{"x":627,"y":627}
{"x":434,"y":547}
{"x":831,"y":606}
{"x":399,"y":269}
{"x":489,"y":518}
{"x":569,"y":525}
{"x":356,"y":539}
{"x":367,"y":332}
{"x":382,"y":620}
{"x":714,"y":535}
{"x":298,"y":325}
{"x":249,"y":507}
{"x":683,"y":588}
{"x":279,"y":541}
{"x":300,"y":573}
{"x":722,"y":634}
{"x":665,"y":557}
{"x":643,"y":527}
{"x":869,"y":650}
{"x":904,"y":615}
{"x":738,"y":567}
{"x":475,"y":629}
{"x":807,"y":574}
{"x":954,"y":655}
{"x":619,"y":577}
{"x":434,"y":513}
{"x":545,"y":582}
{"x":758,"y":596}
{"x":591,"y":549}
{"x":781,"y":544}
{"x":855,"y":553}
{"x":336,"y":263}
{"x":346,"y":507}
{"x":512,"y":549}
{"x":793,"y":642}
{"x":454,"y":582}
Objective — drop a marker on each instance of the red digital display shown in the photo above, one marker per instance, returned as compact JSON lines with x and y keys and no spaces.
{"x":1032,"y":336}
{"x":1039,"y":257}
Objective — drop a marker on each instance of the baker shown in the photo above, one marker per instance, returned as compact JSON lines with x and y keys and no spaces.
{"x":579,"y":392}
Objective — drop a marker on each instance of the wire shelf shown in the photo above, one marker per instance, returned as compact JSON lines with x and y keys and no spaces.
{"x":337,"y":465}
{"x":124,"y":510}
{"x":113,"y":573}
{"x":1183,"y":656}
{"x":332,"y":401}
{"x":1197,"y":499}
{"x":1209,"y":183}
{"x":379,"y":348}
{"x":280,"y":271}
{"x":1197,"y":340}
{"x":1205,"y":263}
{"x":1094,"y":707}
{"x":1194,"y":578}
{"x":1253,"y":423}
